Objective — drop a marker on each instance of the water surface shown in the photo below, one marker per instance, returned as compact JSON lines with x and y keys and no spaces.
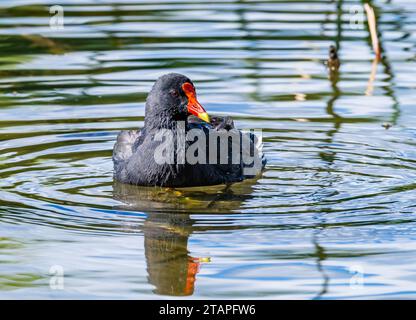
{"x":331,"y":217}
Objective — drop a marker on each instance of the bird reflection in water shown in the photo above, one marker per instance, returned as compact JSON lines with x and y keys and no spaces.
{"x":168,"y":226}
{"x":171,"y":269}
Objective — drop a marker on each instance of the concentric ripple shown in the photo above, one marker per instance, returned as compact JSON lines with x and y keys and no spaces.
{"x":332,"y":216}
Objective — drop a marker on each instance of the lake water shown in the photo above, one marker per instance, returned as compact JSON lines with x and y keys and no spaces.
{"x":332,"y":216}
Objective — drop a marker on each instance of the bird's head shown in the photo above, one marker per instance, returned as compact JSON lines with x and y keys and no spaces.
{"x":172,"y":98}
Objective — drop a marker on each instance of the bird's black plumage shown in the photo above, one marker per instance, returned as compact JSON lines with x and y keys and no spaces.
{"x":166,"y":106}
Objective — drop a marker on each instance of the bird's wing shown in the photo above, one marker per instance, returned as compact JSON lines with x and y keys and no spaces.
{"x":250,"y":151}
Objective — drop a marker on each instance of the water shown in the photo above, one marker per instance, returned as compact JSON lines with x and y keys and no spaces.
{"x":331,"y":217}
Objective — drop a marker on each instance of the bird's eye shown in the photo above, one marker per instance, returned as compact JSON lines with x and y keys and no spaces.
{"x":174,"y":93}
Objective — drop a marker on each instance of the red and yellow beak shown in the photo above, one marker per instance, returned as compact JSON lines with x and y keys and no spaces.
{"x":194,"y":107}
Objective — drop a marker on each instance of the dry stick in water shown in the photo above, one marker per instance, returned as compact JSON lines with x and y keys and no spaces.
{"x":372,"y":24}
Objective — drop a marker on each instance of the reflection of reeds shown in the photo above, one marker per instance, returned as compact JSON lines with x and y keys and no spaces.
{"x":370,"y":86}
{"x":50,"y":45}
{"x":328,"y":154}
{"x":377,"y":45}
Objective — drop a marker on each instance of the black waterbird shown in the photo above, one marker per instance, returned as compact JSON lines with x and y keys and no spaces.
{"x":171,"y":101}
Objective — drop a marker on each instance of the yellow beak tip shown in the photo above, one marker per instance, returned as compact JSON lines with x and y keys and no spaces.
{"x":204,"y":116}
